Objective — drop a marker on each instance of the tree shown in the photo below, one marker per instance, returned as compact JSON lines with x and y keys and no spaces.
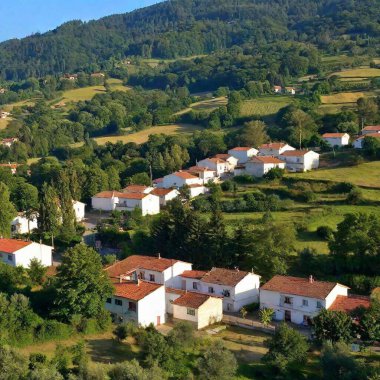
{"x":7,"y":211}
{"x":49,"y":218}
{"x":82,"y":286}
{"x":266,"y":316}
{"x":182,"y":335}
{"x":13,"y":366}
{"x":121,"y":332}
{"x":334,"y":326}
{"x":367,"y":110}
{"x":217,"y":362}
{"x":286,"y":347}
{"x":133,"y":371}
{"x":252,"y":134}
{"x":370,"y":322}
{"x":36,"y":272}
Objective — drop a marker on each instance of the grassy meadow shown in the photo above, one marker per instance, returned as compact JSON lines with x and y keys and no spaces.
{"x":265,"y":106}
{"x":207,"y":105}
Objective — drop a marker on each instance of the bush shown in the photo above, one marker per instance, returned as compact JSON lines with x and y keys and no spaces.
{"x":50,"y":330}
{"x":244,"y":179}
{"x":343,"y":187}
{"x":227,"y":185}
{"x":252,"y":307}
{"x":121,"y":332}
{"x":325,"y":232}
{"x":274,"y":173}
{"x":355,"y":196}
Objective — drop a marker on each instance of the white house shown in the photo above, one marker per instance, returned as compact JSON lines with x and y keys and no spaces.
{"x":229,"y":158}
{"x":19,"y":253}
{"x":290,"y":90}
{"x":153,"y":269}
{"x":371,"y":129}
{"x":9,"y":141}
{"x":238,"y":288}
{"x":180,"y":179}
{"x":274,"y":149}
{"x":300,"y":160}
{"x":205,"y":174}
{"x":219,"y":166}
{"x":298,"y":300}
{"x":201,"y":310}
{"x":23,"y":225}
{"x":336,"y":139}
{"x":138,"y":301}
{"x":261,"y":165}
{"x":79,"y":210}
{"x":114,"y":200}
{"x":11,"y":167}
{"x":358,"y":143}
{"x":277,"y":89}
{"x":243,"y":154}
{"x":165,"y":195}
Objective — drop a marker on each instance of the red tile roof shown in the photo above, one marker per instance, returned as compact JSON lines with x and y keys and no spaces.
{"x":135,"y":189}
{"x":192,"y":300}
{"x":12,"y":245}
{"x":266,"y":160}
{"x":134,"y":262}
{"x":333,"y":135}
{"x":223,"y":156}
{"x":137,"y":196}
{"x":272,"y":146}
{"x":162,"y":192}
{"x":372,"y":128}
{"x":295,"y":153}
{"x":106,"y":194}
{"x":242,"y":148}
{"x":222,"y":276}
{"x":300,"y":286}
{"x":199,"y":169}
{"x":135,"y":291}
{"x":184,"y":175}
{"x":350,"y":303}
{"x":175,"y":291}
{"x":11,"y":166}
{"x":196,"y":274}
{"x":376,"y":135}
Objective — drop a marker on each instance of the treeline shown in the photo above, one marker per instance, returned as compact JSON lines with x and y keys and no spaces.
{"x":184,"y":28}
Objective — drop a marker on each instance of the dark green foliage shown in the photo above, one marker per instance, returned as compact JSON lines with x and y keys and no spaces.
{"x":334,"y":326}
{"x":36,"y":272}
{"x":7,"y":211}
{"x":287,"y":347}
{"x":325,"y":232}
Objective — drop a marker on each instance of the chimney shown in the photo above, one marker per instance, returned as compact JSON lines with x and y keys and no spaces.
{"x":311,"y":279}
{"x":237,"y":269}
{"x":159,"y":255}
{"x":138,"y":282}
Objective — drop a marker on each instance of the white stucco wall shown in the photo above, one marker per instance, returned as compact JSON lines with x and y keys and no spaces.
{"x":195,"y":191}
{"x":301,"y":163}
{"x":104,"y":204}
{"x":339,"y":290}
{"x":20,"y":225}
{"x":79,"y":209}
{"x":173,"y":180}
{"x":275,"y":152}
{"x":243,"y":155}
{"x":337,"y":141}
{"x":258,"y":169}
{"x":150,"y":205}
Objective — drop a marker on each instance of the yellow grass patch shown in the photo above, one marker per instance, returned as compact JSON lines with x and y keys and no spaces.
{"x":9,"y":107}
{"x":344,"y":97}
{"x":207,"y":105}
{"x":4,"y":123}
{"x":80,"y":94}
{"x":264,"y":106}
{"x":143,"y":136}
{"x":364,"y":72}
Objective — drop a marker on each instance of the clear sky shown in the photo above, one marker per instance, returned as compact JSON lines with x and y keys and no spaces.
{"x":20,"y":18}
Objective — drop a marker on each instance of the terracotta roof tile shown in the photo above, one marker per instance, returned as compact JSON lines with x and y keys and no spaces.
{"x":135,"y":291}
{"x":184,"y":175}
{"x":376,"y":135}
{"x":222,"y":276}
{"x":132,"y":195}
{"x":242,"y":148}
{"x":223,"y":156}
{"x":272,"y":146}
{"x":192,"y":300}
{"x":12,"y":245}
{"x":266,"y":160}
{"x":106,"y":194}
{"x":333,"y":135}
{"x":372,"y":128}
{"x":175,"y":291}
{"x":199,"y":169}
{"x":216,"y":160}
{"x":295,"y":153}
{"x":134,"y":262}
{"x":196,"y":274}
{"x":300,"y":286}
{"x":162,"y":192}
{"x":350,"y":303}
{"x":135,"y":189}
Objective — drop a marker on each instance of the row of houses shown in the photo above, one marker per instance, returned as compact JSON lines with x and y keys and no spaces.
{"x":155,"y":289}
{"x":284,"y":90}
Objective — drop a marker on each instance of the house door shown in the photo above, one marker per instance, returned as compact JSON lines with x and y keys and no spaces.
{"x":183,"y":284}
{"x":288,"y":316}
{"x":158,"y":320}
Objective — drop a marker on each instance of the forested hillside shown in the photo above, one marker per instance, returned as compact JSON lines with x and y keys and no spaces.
{"x":191,"y":27}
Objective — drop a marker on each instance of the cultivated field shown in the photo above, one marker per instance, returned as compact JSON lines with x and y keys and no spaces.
{"x":4,"y":123}
{"x":207,"y":105}
{"x":366,"y":175}
{"x":143,"y":136}
{"x":365,"y":72}
{"x":345,"y":98}
{"x":265,"y":106}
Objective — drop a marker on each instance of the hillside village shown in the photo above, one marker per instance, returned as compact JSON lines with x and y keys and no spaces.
{"x":192,"y":191}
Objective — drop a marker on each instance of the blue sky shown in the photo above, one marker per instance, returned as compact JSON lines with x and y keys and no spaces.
{"x":20,"y":18}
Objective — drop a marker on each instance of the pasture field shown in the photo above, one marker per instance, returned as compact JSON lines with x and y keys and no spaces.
{"x":365,"y":175}
{"x":9,"y":107}
{"x":117,"y":85}
{"x":364,"y":72}
{"x":81,"y":94}
{"x":265,"y":106}
{"x":207,"y":105}
{"x":143,"y":136}
{"x":4,"y":123}
{"x":345,"y":98}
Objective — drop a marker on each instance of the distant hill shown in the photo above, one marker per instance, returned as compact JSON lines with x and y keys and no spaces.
{"x":190,"y":27}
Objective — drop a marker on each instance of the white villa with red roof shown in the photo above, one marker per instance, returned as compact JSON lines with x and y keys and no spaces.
{"x":19,"y":253}
{"x":218,"y":165}
{"x":114,"y":200}
{"x":358,"y":143}
{"x":336,"y":139}
{"x":274,"y":149}
{"x":298,"y":300}
{"x":371,"y":129}
{"x":180,"y":179}
{"x":243,"y":154}
{"x":300,"y":160}
{"x":238,"y":288}
{"x":229,"y":158}
{"x":261,"y":165}
{"x":165,"y":195}
{"x":205,"y":174}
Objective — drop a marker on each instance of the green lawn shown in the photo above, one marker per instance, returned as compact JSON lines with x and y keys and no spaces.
{"x":265,"y":106}
{"x":366,"y":175}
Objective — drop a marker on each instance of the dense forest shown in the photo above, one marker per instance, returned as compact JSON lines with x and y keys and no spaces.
{"x":191,"y":27}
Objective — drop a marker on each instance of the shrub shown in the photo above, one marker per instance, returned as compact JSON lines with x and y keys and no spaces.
{"x":343,"y":187}
{"x":252,"y":307}
{"x":244,"y":179}
{"x":274,"y":173}
{"x":325,"y":232}
{"x":355,"y":196}
{"x":121,"y":332}
{"x":227,"y":185}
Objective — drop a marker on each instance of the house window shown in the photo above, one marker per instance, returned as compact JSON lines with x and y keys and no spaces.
{"x":211,"y":289}
{"x":190,"y":311}
{"x":195,"y":285}
{"x":10,"y":258}
{"x":305,"y":303}
{"x":319,"y":305}
{"x":131,"y":306}
{"x":118,"y":302}
{"x":288,"y":300}
{"x":109,"y":300}
{"x":152,"y":278}
{"x":226,"y":293}
{"x":142,"y":276}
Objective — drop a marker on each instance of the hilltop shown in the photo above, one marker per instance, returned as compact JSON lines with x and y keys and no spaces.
{"x":180,"y":28}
